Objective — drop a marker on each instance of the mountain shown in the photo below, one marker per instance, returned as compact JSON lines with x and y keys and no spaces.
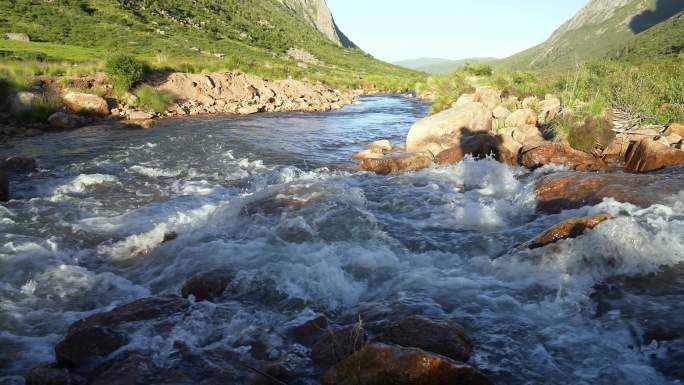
{"x":318,"y":15}
{"x":664,"y":39}
{"x":271,"y":38}
{"x":440,"y":66}
{"x":601,"y":26}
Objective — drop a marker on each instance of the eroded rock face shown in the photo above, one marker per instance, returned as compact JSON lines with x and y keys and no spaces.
{"x":564,"y":191}
{"x":207,"y":286}
{"x":538,"y":155}
{"x":380,"y":364}
{"x":335,"y":346}
{"x":397,"y":163}
{"x":571,"y":228}
{"x":81,"y":102}
{"x":651,"y":154}
{"x":437,"y":336}
{"x":444,"y":130}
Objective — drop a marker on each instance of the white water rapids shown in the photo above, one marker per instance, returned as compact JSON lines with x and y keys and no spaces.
{"x":274,"y":198}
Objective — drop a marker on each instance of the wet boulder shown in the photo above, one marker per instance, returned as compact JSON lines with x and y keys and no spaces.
{"x":82,"y":102}
{"x":21,"y":164}
{"x":380,"y":364}
{"x":445,"y":129}
{"x":571,"y":228}
{"x":64,"y":121}
{"x":651,"y":154}
{"x":479,"y":146}
{"x":309,"y":331}
{"x":334,"y":346}
{"x":137,"y":368}
{"x":537,"y":155}
{"x":440,"y":336}
{"x":392,"y":164}
{"x":207,"y":286}
{"x":85,"y":346}
{"x":522,"y":117}
{"x":52,"y":375}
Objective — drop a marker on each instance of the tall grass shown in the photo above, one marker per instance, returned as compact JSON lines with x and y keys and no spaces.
{"x":153,"y":100}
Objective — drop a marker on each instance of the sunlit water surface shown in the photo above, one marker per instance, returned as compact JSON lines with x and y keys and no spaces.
{"x":275,"y":198}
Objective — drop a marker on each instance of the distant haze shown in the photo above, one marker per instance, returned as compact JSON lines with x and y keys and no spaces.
{"x":394,"y":30}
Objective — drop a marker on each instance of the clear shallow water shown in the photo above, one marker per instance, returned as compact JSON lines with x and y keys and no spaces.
{"x":274,"y":197}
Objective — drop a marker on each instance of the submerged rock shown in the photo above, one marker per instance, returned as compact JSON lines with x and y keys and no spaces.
{"x":4,"y":183}
{"x":393,"y":164}
{"x":437,"y":336}
{"x":310,"y":330}
{"x":380,"y":364}
{"x":21,"y":164}
{"x":334,"y":346}
{"x":52,"y":375}
{"x":81,"y":102}
{"x":84,"y":346}
{"x":571,"y":228}
{"x":207,"y":286}
{"x":445,"y":129}
{"x":537,"y":155}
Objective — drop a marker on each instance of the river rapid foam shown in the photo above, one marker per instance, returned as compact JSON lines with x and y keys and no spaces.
{"x":274,"y":198}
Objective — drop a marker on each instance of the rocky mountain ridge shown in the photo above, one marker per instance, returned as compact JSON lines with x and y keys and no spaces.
{"x":318,"y":15}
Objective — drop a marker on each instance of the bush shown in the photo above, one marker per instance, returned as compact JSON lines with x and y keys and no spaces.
{"x":479,"y":69}
{"x":125,"y":71}
{"x":154,"y":100}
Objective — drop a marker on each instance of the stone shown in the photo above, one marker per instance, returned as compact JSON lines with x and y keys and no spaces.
{"x":571,"y":228}
{"x":501,"y":112}
{"x":548,"y":111}
{"x":464,"y":99}
{"x":380,"y":146}
{"x":208,"y":286}
{"x":567,"y":191}
{"x":249,"y":110}
{"x":22,"y":102}
{"x":560,"y":153}
{"x":527,"y":135}
{"x":82,"y":102}
{"x":63,"y":121}
{"x":380,"y":364}
{"x":675,"y":128}
{"x":443,"y":337}
{"x":334,"y":346}
{"x":488,"y":96}
{"x":522,"y":117}
{"x":52,"y":375}
{"x":367,"y":154}
{"x":310,"y":330}
{"x":4,"y":183}
{"x":530,"y":102}
{"x":84,"y":346}
{"x":17,"y":36}
{"x":20,"y":164}
{"x":137,"y":368}
{"x":651,"y":155}
{"x":140,"y":115}
{"x":445,"y":129}
{"x":479,"y":146}
{"x":397,"y":163}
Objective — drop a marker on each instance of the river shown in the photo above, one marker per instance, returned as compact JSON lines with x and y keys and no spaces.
{"x":275,"y":198}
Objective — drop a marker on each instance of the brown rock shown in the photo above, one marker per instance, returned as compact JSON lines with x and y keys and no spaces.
{"x":538,"y":155}
{"x":379,"y":364}
{"x":397,"y":163}
{"x":81,"y":102}
{"x":52,"y":375}
{"x":136,"y":368}
{"x":310,"y":330}
{"x":334,"y":346}
{"x":548,"y":110}
{"x":522,"y":117}
{"x":527,"y":135}
{"x":140,"y":115}
{"x":437,"y":336}
{"x":207,"y":286}
{"x":367,"y":154}
{"x":380,"y":146}
{"x":564,"y":191}
{"x":675,"y":128}
{"x":650,"y":155}
{"x":571,"y":228}
{"x":479,"y":146}
{"x":82,"y":347}
{"x":64,"y":121}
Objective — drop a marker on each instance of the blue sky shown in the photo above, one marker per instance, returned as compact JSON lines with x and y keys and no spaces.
{"x":406,"y":29}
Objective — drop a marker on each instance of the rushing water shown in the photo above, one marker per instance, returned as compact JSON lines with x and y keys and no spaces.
{"x":275,"y":198}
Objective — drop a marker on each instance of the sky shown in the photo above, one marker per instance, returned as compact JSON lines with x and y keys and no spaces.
{"x":394,"y":30}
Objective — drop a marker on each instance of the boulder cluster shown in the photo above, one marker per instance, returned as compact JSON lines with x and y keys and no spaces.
{"x":518,"y":132}
{"x":412,"y":350}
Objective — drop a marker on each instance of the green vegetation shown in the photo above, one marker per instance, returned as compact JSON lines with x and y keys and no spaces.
{"x":152,"y":100}
{"x":441,"y":66}
{"x":193,"y":36}
{"x":125,"y":71}
{"x":664,"y":39}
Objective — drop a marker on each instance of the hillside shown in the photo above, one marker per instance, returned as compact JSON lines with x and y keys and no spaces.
{"x":664,"y":39}
{"x":440,"y":66}
{"x":600,"y":27}
{"x":274,"y":38}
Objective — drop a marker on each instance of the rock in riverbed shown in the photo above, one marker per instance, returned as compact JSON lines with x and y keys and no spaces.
{"x":571,"y":228}
{"x":207,"y":286}
{"x":81,"y":102}
{"x":651,"y":154}
{"x":560,"y":153}
{"x":392,"y":164}
{"x":334,"y":346}
{"x":380,"y":364}
{"x":4,"y":183}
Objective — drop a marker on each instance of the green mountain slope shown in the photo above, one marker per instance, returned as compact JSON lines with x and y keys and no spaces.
{"x":664,"y":39}
{"x":601,"y":27}
{"x":440,"y":66}
{"x":194,"y":35}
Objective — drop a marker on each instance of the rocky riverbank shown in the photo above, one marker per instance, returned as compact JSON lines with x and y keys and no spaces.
{"x":192,"y":94}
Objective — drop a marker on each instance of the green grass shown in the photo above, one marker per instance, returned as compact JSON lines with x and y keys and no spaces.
{"x":153,"y":100}
{"x":185,"y":35}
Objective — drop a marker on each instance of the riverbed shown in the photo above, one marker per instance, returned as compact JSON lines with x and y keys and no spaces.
{"x":276,"y":198}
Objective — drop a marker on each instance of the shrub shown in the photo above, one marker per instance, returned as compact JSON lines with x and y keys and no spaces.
{"x":479,"y":69}
{"x":125,"y":71}
{"x":151,"y":99}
